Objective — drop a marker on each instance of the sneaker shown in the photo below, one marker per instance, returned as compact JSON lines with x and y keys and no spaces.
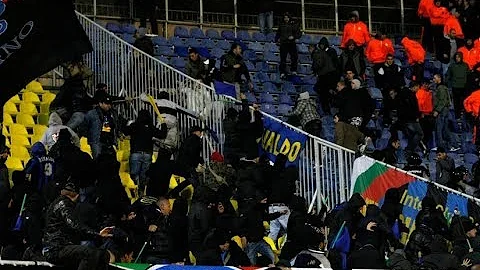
{"x":283,"y":76}
{"x":294,"y":73}
{"x":433,"y":149}
{"x":454,"y":149}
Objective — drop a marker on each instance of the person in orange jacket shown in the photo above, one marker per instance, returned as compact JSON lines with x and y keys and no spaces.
{"x":425,"y":105}
{"x":377,"y":51}
{"x":423,"y":13}
{"x":416,"y":57}
{"x":472,"y":106}
{"x":356,"y":30}
{"x":438,"y":16}
{"x":476,"y":43}
{"x":453,"y":23}
{"x":471,"y":54}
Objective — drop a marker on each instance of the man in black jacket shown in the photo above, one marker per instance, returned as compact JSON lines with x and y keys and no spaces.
{"x":158,"y":221}
{"x":232,"y":67}
{"x":325,"y":66}
{"x":189,"y":155}
{"x":287,"y":33}
{"x":389,"y":76}
{"x":409,"y":115}
{"x":60,"y":230}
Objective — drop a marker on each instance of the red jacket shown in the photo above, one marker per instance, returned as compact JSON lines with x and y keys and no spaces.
{"x":472,"y":103}
{"x":453,"y":23}
{"x":425,"y":101}
{"x":424,"y":8}
{"x":470,"y":57}
{"x":358,"y":31}
{"x":415,"y":51}
{"x":439,"y":15}
{"x":377,"y":50}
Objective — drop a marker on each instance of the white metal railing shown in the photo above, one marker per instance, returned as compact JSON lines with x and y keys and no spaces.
{"x":323,"y":166}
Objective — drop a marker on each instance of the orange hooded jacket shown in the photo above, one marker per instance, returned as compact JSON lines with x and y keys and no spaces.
{"x":476,"y":43}
{"x":415,"y":51}
{"x":424,"y":8}
{"x":470,"y":57}
{"x":453,"y":23}
{"x":472,"y":103}
{"x":377,"y":50}
{"x":438,"y":15}
{"x":425,"y":100}
{"x":358,"y":31}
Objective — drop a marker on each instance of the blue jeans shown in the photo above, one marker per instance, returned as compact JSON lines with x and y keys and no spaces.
{"x":445,"y":138}
{"x":277,"y":224}
{"x":267,"y":18}
{"x":253,"y":248}
{"x":139,"y":164}
{"x":414,"y":135}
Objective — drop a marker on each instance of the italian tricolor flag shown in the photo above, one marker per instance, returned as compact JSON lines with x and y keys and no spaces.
{"x":372,"y":179}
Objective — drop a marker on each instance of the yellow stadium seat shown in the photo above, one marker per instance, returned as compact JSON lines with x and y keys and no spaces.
{"x":83,"y":141}
{"x":281,"y":241}
{"x":123,"y":155}
{"x":130,"y":187}
{"x":124,"y":145}
{"x":38,"y":130}
{"x":266,"y":225}
{"x":20,"y":140}
{"x":193,"y":260}
{"x":15,"y":99}
{"x":35,"y":87}
{"x":10,"y":108}
{"x":238,"y":240}
{"x":14,"y":163}
{"x":7,"y":142}
{"x":42,"y":119}
{"x":48,"y":97}
{"x":20,"y":152}
{"x":28,"y":108}
{"x":124,"y":166}
{"x":25,"y":119}
{"x":7,"y":119}
{"x":18,"y":129}
{"x":234,"y":204}
{"x":271,"y":243}
{"x":36,"y":138}
{"x":5,"y":131}
{"x":30,"y":97}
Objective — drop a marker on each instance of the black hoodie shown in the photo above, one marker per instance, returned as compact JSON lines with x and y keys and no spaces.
{"x":325,"y":61}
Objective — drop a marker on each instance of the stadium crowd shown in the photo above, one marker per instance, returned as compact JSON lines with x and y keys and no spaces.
{"x":71,"y":209}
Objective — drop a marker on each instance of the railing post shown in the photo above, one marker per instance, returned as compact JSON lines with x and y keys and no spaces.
{"x":201,"y":13}
{"x":94,"y":10}
{"x":303,"y":15}
{"x":166,"y":19}
{"x":318,"y":168}
{"x":337,"y":28}
{"x":402,"y":17}
{"x":235,"y":17}
{"x":130,"y":7}
{"x":369,"y":6}
{"x":341,"y":175}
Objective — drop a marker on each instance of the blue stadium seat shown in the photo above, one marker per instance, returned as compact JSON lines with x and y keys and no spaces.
{"x":305,"y":39}
{"x":261,"y":77}
{"x":271,"y":57}
{"x":193,"y":42}
{"x":259,"y":37}
{"x":381,"y":144}
{"x":128,"y":38}
{"x":266,"y":97}
{"x":310,"y":89}
{"x":212,"y":33}
{"x":250,"y":66}
{"x":269,"y":108}
{"x":272,"y":47}
{"x":285,"y":98}
{"x":129,"y":29}
{"x":228,"y":34}
{"x":470,"y":158}
{"x":114,"y":28}
{"x":288,"y":87}
{"x":196,"y":32}
{"x":177,"y":62}
{"x":181,"y":51}
{"x":163,"y":59}
{"x":208,"y":43}
{"x":176,"y":41}
{"x":316,"y":39}
{"x":181,"y":31}
{"x":335,"y":40}
{"x":164,"y":50}
{"x":302,"y":48}
{"x":304,"y":69}
{"x":270,"y":87}
{"x":250,"y":55}
{"x":217,"y":53}
{"x":251,"y":97}
{"x":261,"y":66}
{"x":224,"y":45}
{"x":310,"y":79}
{"x":203,"y":52}
{"x":275,"y":77}
{"x":243,"y":35}
{"x":305,"y":59}
{"x":160,"y":41}
{"x":255,"y":46}
{"x":270,"y":37}
{"x":375,"y":93}
{"x":284,"y":109}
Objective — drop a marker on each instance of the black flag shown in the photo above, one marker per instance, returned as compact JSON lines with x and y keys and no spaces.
{"x":35,"y":37}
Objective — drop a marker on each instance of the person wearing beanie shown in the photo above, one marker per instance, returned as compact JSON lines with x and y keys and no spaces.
{"x":287,"y":33}
{"x":306,"y":111}
{"x":356,"y":30}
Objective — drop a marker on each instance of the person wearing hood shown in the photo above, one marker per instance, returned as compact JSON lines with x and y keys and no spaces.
{"x":355,"y":30}
{"x":200,"y":218}
{"x":178,"y":232}
{"x":352,"y":59}
{"x":306,"y":111}
{"x":232,"y":67}
{"x":416,"y":57}
{"x":452,"y":23}
{"x":432,"y":217}
{"x":439,"y":256}
{"x":313,"y":255}
{"x":54,"y":126}
{"x":287,"y":33}
{"x":221,"y":251}
{"x":472,"y":106}
{"x":325,"y":65}
{"x":457,"y":76}
{"x":40,"y":171}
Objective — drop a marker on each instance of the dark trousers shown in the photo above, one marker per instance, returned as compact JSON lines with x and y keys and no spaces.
{"x":286,"y":49}
{"x":147,"y":9}
{"x":378,"y":79}
{"x":437,"y":33}
{"x":325,"y":84}
{"x":427,"y":123}
{"x":81,"y":258}
{"x":458,"y":98}
{"x":427,"y":38}
{"x":314,"y":127}
{"x":417,"y":72}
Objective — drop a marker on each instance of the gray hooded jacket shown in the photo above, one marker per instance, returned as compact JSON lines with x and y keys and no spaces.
{"x":54,"y":126}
